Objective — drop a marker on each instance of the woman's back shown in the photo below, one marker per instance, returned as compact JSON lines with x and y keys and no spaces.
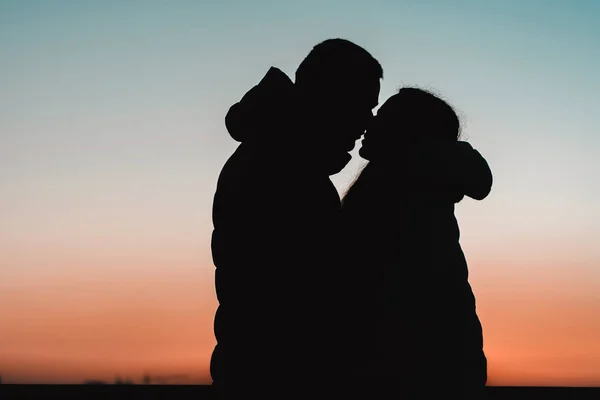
{"x":415,"y":310}
{"x":411,"y":270}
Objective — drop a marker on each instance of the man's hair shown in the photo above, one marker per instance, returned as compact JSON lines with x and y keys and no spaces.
{"x":337,"y":59}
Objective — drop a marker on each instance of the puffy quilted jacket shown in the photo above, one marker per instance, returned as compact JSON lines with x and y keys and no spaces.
{"x":276,"y":219}
{"x":415,"y":307}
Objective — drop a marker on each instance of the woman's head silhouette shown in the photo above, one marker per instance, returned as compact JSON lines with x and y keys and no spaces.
{"x":411,"y":113}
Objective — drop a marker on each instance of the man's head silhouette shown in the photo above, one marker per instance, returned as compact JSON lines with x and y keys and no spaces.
{"x":338,"y":83}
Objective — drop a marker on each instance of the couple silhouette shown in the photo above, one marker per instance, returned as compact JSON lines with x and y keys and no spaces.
{"x":365,"y":296}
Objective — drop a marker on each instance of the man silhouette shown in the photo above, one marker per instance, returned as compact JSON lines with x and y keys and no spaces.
{"x":276,"y":216}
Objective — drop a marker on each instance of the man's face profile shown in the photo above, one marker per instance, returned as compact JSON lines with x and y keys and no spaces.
{"x":344,"y":120}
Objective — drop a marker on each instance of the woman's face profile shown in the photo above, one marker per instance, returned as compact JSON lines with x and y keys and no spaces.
{"x":386,"y":128}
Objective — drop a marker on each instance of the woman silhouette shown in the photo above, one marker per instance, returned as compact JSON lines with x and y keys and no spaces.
{"x":416,"y":320}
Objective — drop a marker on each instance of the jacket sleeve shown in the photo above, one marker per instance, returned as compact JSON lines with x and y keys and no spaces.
{"x":455,"y":165}
{"x":476,"y":174}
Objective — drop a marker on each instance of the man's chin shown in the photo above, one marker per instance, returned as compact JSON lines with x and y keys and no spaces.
{"x":339,"y":163}
{"x":365,"y":152}
{"x":362,"y":153}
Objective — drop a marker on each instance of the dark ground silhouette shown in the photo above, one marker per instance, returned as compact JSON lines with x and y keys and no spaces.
{"x":199,"y":392}
{"x":276,"y":217}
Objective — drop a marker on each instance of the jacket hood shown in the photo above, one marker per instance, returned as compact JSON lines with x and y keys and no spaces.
{"x":262,"y":108}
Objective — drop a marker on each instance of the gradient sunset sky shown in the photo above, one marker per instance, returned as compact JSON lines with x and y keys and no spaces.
{"x":112,"y":137}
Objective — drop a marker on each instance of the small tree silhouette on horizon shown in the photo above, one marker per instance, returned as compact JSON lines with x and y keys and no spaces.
{"x":119,"y":381}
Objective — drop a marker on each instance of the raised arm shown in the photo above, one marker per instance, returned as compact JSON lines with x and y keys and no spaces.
{"x":476,"y":174}
{"x":455,"y":165}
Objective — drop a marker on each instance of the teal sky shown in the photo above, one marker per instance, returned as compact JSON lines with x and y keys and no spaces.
{"x":112,"y":126}
{"x":114,"y":100}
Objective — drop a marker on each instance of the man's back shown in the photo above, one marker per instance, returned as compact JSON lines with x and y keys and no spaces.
{"x":276,"y":217}
{"x":273,"y":245}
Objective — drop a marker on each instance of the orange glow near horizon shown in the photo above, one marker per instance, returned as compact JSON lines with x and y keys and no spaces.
{"x":59,"y":332}
{"x":63,"y":330}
